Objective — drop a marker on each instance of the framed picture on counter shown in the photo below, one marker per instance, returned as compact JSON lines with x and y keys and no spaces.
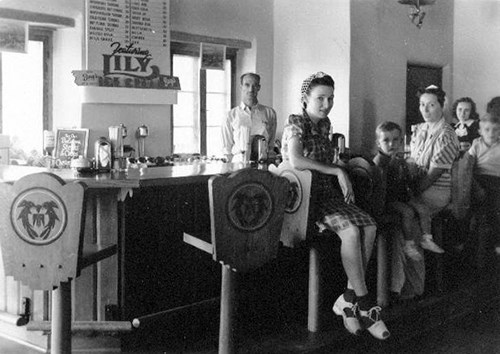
{"x":212,"y":56}
{"x":70,"y":143}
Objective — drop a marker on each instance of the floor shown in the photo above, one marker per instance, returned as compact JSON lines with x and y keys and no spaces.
{"x":464,"y":319}
{"x":477,"y":332}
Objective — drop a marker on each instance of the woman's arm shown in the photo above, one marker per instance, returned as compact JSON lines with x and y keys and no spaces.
{"x":428,"y":180}
{"x":298,"y":161}
{"x":445,"y":151}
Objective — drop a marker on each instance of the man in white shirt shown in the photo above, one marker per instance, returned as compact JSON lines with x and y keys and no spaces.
{"x":247,"y":120}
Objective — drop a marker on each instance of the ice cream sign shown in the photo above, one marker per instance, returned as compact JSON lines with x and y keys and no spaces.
{"x":127,"y":45}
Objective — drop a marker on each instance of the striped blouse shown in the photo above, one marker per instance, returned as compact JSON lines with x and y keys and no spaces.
{"x":438,"y":147}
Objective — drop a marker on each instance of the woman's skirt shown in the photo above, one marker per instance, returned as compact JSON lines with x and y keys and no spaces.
{"x":330,"y":209}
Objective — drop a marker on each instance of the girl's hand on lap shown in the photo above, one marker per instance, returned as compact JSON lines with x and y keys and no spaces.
{"x":346,"y":186}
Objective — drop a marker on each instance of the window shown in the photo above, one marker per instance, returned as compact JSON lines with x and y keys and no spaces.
{"x":25,"y":90}
{"x":202,"y":103}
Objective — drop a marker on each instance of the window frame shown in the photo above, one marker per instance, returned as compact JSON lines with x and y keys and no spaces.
{"x":44,"y":35}
{"x":193,"y":49}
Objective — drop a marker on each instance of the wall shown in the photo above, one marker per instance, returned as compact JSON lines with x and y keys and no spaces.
{"x":383,"y":41}
{"x":476,"y":69}
{"x":308,"y":39}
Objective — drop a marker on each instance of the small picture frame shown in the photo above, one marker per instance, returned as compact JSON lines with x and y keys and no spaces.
{"x":212,"y":56}
{"x":70,"y":143}
{"x":13,"y":36}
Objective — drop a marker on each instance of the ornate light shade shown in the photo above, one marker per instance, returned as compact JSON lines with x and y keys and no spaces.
{"x":415,"y":13}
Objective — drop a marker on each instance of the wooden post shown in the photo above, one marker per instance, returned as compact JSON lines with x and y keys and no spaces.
{"x":60,"y":341}
{"x":227,"y":304}
{"x":382,"y":296}
{"x":313,"y":296}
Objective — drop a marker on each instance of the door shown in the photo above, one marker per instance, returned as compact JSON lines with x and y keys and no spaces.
{"x":418,"y":76}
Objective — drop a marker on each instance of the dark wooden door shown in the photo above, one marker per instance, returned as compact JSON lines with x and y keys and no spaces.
{"x":418,"y":76}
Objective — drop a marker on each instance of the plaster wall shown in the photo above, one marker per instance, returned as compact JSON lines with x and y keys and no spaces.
{"x":311,"y":36}
{"x":383,"y":42}
{"x":475,"y":51}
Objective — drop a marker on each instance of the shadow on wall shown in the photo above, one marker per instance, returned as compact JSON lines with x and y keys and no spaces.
{"x":368,"y":128}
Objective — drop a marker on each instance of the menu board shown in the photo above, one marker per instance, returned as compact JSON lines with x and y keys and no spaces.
{"x":128,"y":39}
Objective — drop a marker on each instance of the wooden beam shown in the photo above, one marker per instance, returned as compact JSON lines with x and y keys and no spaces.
{"x":36,"y":17}
{"x":177,"y":36}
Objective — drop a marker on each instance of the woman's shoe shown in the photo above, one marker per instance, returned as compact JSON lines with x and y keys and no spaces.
{"x":349,"y":313}
{"x":428,"y":244}
{"x":372,"y":322}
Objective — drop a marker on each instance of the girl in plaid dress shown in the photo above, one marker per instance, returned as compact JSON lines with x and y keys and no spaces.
{"x":306,"y":146}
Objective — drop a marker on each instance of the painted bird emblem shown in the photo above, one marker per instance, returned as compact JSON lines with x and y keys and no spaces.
{"x":38,"y":220}
{"x":249,"y":209}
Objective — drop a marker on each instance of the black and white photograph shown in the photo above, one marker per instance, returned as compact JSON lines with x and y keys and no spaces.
{"x":254,"y":177}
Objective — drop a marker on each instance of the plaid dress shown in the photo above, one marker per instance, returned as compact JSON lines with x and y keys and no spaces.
{"x":329,"y":208}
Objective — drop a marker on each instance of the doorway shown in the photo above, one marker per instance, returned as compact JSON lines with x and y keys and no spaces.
{"x":418,"y":76}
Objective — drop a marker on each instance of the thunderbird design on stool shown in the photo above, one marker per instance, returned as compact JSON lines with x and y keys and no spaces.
{"x":36,"y":214}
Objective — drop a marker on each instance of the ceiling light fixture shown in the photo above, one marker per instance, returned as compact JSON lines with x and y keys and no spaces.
{"x":415,"y":13}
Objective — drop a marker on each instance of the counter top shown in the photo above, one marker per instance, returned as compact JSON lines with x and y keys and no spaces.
{"x":132,"y":178}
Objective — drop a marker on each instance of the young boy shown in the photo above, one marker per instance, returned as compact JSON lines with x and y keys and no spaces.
{"x":398,"y":181}
{"x":485,"y":154}
{"x":407,"y":265}
{"x":399,"y":193}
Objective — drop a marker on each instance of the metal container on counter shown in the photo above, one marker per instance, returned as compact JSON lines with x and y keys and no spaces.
{"x":124,"y":130}
{"x":116,"y":138}
{"x":142,"y":134}
{"x":103,"y":153}
{"x":338,"y":141}
{"x":261,"y":149}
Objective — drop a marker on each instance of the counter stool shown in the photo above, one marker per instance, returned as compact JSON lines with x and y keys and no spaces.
{"x":456,"y":211}
{"x":367,"y":186}
{"x":41,"y":235}
{"x":246,"y":216}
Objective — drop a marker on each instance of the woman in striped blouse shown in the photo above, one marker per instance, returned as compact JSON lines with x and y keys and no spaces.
{"x":434,"y":147}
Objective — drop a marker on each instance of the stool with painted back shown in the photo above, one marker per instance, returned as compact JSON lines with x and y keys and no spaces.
{"x":297,"y":227}
{"x":246,"y":216}
{"x":42,"y":243}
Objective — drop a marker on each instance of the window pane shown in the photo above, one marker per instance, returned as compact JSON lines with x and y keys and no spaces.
{"x":186,"y":111}
{"x":218,"y":104}
{"x":186,"y":119}
{"x":22,"y":97}
{"x":217,"y":108}
{"x":186,"y":140}
{"x":217,"y":79}
{"x":186,"y":69}
{"x":214,"y":141}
